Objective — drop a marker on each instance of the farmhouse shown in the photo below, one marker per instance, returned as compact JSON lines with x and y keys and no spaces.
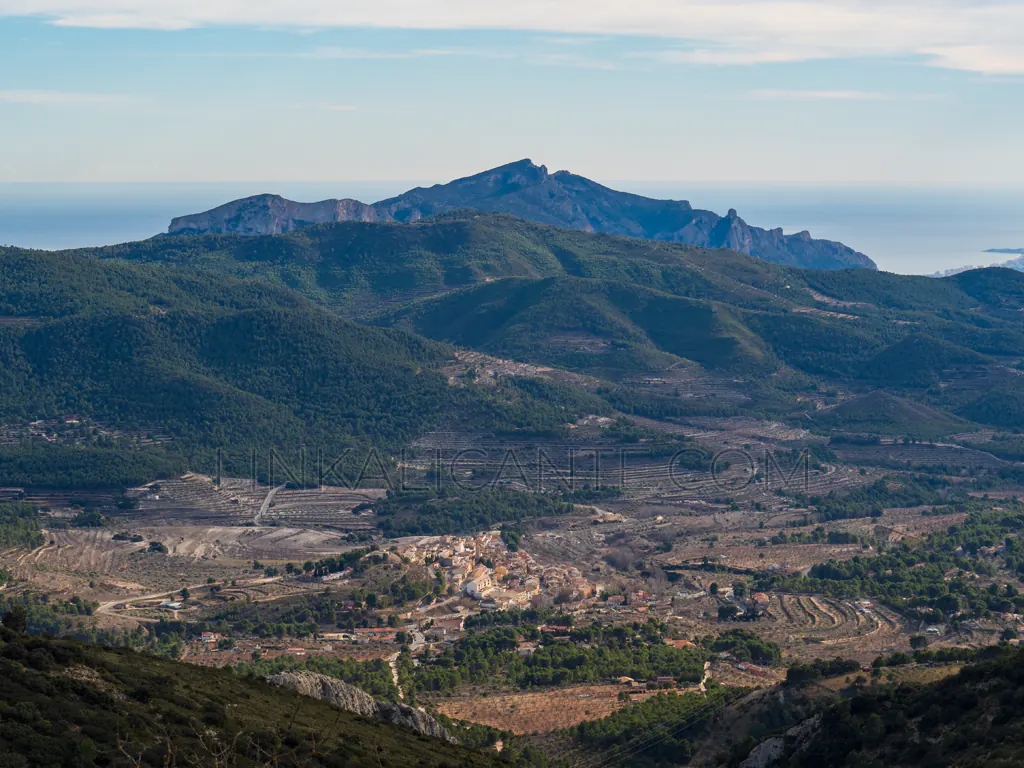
{"x":679,"y":643}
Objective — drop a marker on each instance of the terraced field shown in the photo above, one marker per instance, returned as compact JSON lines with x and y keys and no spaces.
{"x":488,"y":370}
{"x":690,"y":382}
{"x":737,"y":473}
{"x":196,"y":499}
{"x":920,"y":455}
{"x":83,"y":550}
{"x":739,"y":482}
{"x":95,"y":551}
{"x":819,"y":627}
{"x":325,"y":507}
{"x":56,"y":500}
{"x":733,"y":431}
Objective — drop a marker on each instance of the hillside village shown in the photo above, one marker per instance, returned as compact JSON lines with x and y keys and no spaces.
{"x":484,"y":568}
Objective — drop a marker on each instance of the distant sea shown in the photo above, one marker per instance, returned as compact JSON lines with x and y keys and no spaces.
{"x":905,"y":230}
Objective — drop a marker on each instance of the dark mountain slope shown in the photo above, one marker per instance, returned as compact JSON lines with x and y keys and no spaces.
{"x":1002,"y":405}
{"x":258,"y":376}
{"x":882,"y":413}
{"x":353,"y":266}
{"x":235,"y":365}
{"x":885,"y":290}
{"x":68,"y":704}
{"x":819,"y":345}
{"x":971,"y":719}
{"x":526,"y":190}
{"x":919,"y":360}
{"x":537,"y":293}
{"x":46,"y":284}
{"x":587,"y":324}
{"x":995,"y":287}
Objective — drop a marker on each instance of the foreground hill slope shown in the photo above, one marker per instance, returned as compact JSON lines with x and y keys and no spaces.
{"x":63,"y":703}
{"x":974,"y":718}
{"x":529,"y":191}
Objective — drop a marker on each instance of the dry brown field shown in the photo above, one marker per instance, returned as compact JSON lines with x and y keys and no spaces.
{"x":913,"y":674}
{"x":542,"y":711}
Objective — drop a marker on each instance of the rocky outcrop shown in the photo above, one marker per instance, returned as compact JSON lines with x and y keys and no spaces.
{"x":527,"y":190}
{"x":765,"y":754}
{"x":770,"y":751}
{"x":269,"y":215}
{"x":352,"y":699}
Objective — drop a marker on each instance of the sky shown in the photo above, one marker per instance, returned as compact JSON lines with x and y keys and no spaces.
{"x":902,"y":92}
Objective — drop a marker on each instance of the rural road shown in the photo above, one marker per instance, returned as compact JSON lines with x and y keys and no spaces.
{"x":393,"y":663}
{"x":266,"y":504}
{"x":127,"y":602}
{"x":703,"y":680}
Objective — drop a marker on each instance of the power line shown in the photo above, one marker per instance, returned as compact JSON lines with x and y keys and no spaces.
{"x":643,"y":743}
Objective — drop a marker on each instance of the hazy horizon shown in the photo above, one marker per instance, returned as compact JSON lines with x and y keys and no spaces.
{"x":911,"y":230}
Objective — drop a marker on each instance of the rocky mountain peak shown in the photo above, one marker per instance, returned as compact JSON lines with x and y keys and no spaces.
{"x":529,"y":191}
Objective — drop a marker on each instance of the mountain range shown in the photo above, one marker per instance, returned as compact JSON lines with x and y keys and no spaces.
{"x":529,"y":191}
{"x":210,"y":341}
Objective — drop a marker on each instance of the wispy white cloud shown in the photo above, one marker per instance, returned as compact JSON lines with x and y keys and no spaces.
{"x":572,"y":40}
{"x":573,"y":60}
{"x":351,"y":54}
{"x":364,"y":54}
{"x":771,"y":94}
{"x":992,"y":60}
{"x":786,"y":94}
{"x":728,"y":56}
{"x":64,"y":98}
{"x":974,"y":35}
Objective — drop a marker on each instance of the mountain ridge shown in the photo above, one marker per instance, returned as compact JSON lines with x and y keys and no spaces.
{"x":529,"y":191}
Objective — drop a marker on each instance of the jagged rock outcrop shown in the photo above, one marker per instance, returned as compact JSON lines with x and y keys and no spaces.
{"x":770,"y":751}
{"x":561,"y":199}
{"x":352,"y":699}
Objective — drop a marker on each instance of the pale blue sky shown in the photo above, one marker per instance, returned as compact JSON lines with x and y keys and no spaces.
{"x":915,"y":92}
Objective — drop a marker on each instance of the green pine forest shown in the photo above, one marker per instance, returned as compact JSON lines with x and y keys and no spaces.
{"x":336,"y":336}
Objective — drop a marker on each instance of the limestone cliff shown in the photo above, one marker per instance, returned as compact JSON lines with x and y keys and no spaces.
{"x":352,"y":699}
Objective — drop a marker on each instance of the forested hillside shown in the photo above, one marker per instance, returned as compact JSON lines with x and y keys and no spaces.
{"x":970,"y":719}
{"x":203,"y":342}
{"x":185,"y":366}
{"x":589,"y":325}
{"x":65,"y":703}
{"x":353,"y":266}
